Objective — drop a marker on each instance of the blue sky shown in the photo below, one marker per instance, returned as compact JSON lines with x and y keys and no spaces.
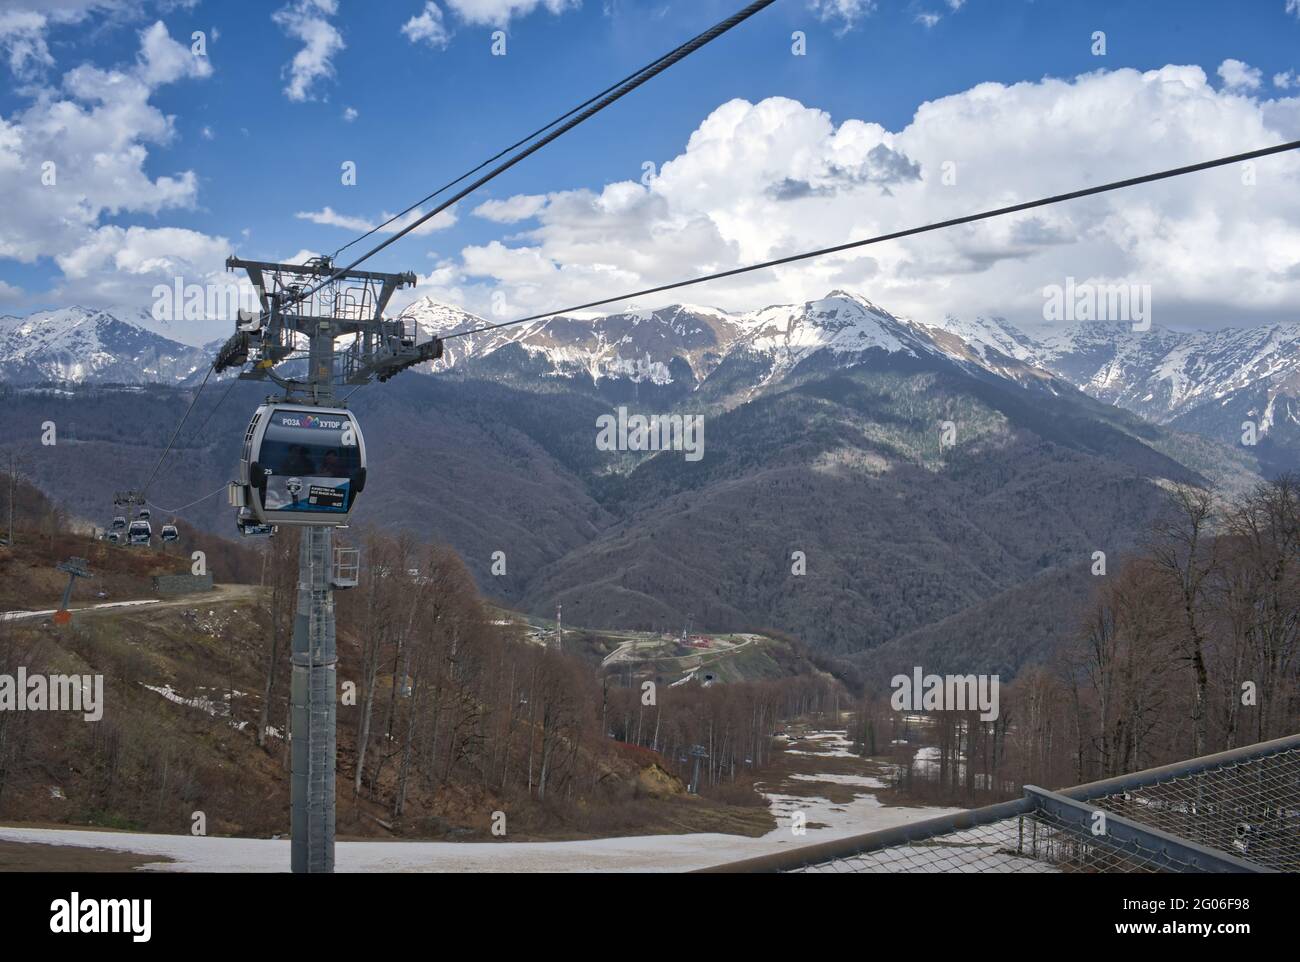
{"x":261,"y":154}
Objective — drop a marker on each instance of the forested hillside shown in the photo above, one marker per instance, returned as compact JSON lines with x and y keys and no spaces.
{"x":447,"y":714}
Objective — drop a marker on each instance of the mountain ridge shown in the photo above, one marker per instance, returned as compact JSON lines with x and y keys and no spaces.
{"x":1235,"y":386}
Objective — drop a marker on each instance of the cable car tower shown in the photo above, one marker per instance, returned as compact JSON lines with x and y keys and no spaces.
{"x":303,"y":463}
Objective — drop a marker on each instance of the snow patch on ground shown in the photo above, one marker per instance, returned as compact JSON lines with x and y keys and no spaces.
{"x":648,"y":853}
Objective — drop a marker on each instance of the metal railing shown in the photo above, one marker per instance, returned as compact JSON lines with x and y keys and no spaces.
{"x":347,"y":567}
{"x":1237,"y":811}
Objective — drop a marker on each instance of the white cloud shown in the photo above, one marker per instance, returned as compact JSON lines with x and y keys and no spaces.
{"x":25,"y":23}
{"x":306,"y":20}
{"x":1293,"y":6}
{"x":9,"y":294}
{"x":329,"y":217}
{"x":163,"y":60}
{"x":1239,"y":76}
{"x":513,"y":209}
{"x":931,"y":18}
{"x":1285,"y":81}
{"x":762,"y":180}
{"x":847,"y":13}
{"x":91,"y":139}
{"x":350,"y":114}
{"x":112,"y":250}
{"x":428,"y":27}
{"x":79,"y":153}
{"x":499,"y":13}
{"x":22,"y":36}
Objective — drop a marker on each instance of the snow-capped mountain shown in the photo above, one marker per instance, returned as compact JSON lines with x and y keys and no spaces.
{"x":636,"y":346}
{"x":1220,"y":384}
{"x":688,"y":343}
{"x":1231,"y":384}
{"x":1223,"y":384}
{"x":81,"y":345}
{"x":1163,"y":374}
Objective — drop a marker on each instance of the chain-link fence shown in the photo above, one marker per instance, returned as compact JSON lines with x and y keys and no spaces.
{"x":1237,"y":811}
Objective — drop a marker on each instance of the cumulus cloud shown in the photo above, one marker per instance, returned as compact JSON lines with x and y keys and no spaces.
{"x":163,"y":60}
{"x":350,"y":114}
{"x":24,"y":25}
{"x":499,"y":13}
{"x":757,"y":181}
{"x":1239,"y":76}
{"x":22,"y":37}
{"x":513,"y":209}
{"x":10,"y":294}
{"x":78,"y":154}
{"x":308,"y":21}
{"x":846,"y":14}
{"x":329,"y":217}
{"x":428,"y":27}
{"x":112,"y":250}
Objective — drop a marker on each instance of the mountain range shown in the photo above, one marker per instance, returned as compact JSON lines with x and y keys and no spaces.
{"x":871,"y":484}
{"x":82,"y":346}
{"x":1238,"y":386}
{"x":1226,"y":385}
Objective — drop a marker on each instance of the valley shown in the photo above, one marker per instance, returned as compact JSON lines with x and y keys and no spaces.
{"x":823,"y":438}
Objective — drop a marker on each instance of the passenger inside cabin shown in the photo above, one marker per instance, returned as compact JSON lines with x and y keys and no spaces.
{"x":298,"y":462}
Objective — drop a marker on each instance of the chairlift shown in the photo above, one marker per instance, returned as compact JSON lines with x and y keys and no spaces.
{"x":300,"y":465}
{"x":170,"y":532}
{"x":139,"y":533}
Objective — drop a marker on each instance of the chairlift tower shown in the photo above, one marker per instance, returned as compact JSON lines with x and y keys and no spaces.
{"x":296,"y":308}
{"x":128,"y":499}
{"x":697,"y":752}
{"x":74,"y":568}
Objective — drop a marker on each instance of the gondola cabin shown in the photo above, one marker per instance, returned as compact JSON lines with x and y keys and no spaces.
{"x":143,"y":514}
{"x":301,"y":465}
{"x":139,"y":533}
{"x":119,"y":523}
{"x":170,"y":532}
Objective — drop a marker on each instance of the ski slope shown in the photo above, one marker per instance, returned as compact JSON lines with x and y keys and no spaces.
{"x":647,"y":853}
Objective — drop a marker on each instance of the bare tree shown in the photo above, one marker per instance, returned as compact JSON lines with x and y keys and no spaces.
{"x":1185,"y":550}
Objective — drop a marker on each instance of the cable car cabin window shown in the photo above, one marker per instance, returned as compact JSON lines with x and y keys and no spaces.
{"x":307,"y":466}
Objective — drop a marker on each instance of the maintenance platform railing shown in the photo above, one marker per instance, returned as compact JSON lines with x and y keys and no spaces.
{"x":1237,"y":811}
